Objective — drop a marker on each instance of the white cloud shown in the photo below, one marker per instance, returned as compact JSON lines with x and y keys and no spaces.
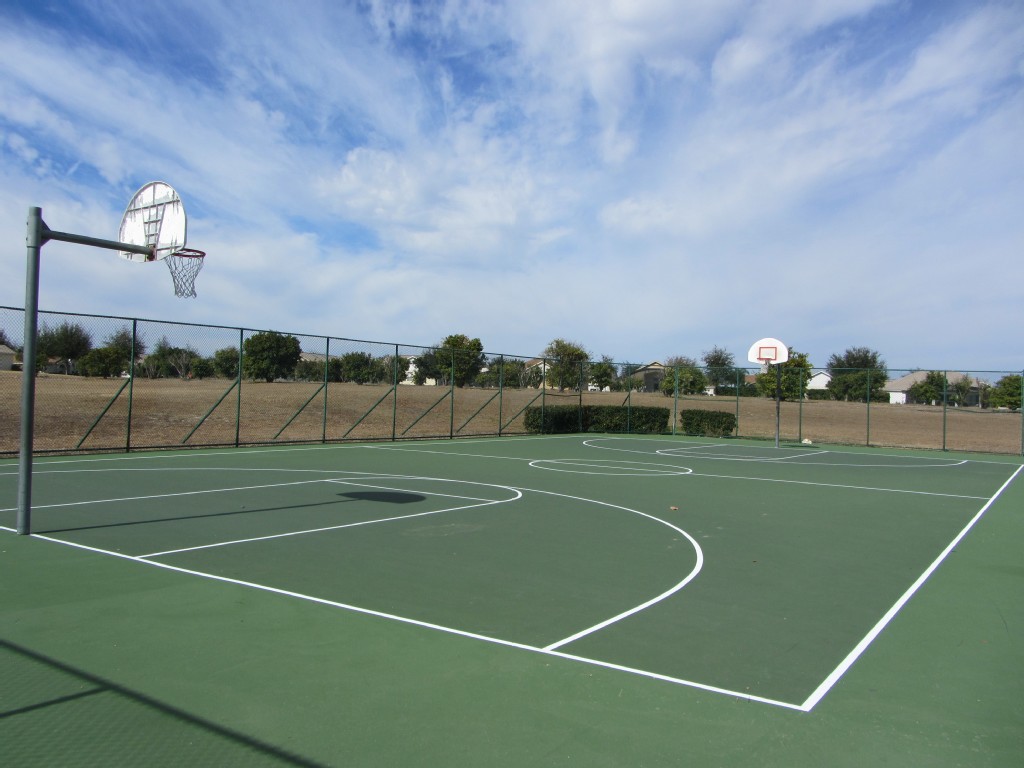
{"x":629,"y":174}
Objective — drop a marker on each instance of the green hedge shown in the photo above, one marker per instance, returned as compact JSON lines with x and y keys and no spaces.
{"x":566,"y":419}
{"x":707,"y":423}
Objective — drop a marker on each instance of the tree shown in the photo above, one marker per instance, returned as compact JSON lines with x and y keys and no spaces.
{"x":225,"y":362}
{"x":1007,"y":392}
{"x":103,"y":361}
{"x":796,"y":372}
{"x":125,"y":342}
{"x":463,"y":355}
{"x":602,"y":374}
{"x":855,"y":372}
{"x":68,"y":342}
{"x":181,"y":360}
{"x":720,"y":369}
{"x":929,"y":390}
{"x":270,"y":355}
{"x":691,"y":378}
{"x":566,"y":364}
{"x":358,"y":367}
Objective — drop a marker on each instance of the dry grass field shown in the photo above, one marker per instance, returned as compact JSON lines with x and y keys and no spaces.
{"x":172,"y":413}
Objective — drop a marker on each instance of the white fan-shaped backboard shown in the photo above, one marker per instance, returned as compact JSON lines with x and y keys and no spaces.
{"x":768,"y":352}
{"x":154,"y":217}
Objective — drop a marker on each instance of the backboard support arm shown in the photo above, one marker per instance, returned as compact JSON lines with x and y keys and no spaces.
{"x":38,"y":234}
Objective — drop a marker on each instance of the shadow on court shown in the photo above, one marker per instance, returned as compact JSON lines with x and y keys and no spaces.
{"x":378,"y":497}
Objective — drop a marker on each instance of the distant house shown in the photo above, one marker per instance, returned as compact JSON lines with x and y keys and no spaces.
{"x":650,"y":374}
{"x":6,"y":358}
{"x":899,"y":389}
{"x":819,"y":381}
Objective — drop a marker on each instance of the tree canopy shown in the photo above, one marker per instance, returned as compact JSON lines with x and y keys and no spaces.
{"x":67,"y":342}
{"x":856,"y":372}
{"x":566,"y":364}
{"x":720,"y":369}
{"x":270,"y":355}
{"x":691,"y":378}
{"x":457,"y":359}
{"x":795,"y":373}
{"x":1007,"y":392}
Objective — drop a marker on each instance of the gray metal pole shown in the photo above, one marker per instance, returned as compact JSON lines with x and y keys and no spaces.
{"x":38,"y":234}
{"x":778,"y":403}
{"x":34,"y":241}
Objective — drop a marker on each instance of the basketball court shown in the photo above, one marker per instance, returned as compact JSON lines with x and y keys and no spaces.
{"x":574,"y":600}
{"x":715,"y":571}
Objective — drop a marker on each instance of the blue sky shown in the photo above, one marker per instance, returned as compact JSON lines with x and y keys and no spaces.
{"x":649,"y":178}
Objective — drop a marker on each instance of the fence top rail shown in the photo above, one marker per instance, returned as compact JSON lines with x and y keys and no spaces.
{"x":628,"y":367}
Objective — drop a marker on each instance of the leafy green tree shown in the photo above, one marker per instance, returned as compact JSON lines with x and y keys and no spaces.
{"x":796,"y":372}
{"x":720,"y":369}
{"x":182,"y":360}
{"x":464,"y":355}
{"x":225,"y":362}
{"x":125,"y":344}
{"x":929,"y":390}
{"x":427,"y":367}
{"x":269,"y":355}
{"x":359,"y":367}
{"x":692,"y":380}
{"x":959,"y":390}
{"x":103,"y":361}
{"x":67,"y":342}
{"x":202,"y":367}
{"x":566,"y":364}
{"x":602,"y":374}
{"x":854,"y":372}
{"x":1007,"y":392}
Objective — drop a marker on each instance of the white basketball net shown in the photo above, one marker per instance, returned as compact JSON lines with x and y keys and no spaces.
{"x":184,"y":266}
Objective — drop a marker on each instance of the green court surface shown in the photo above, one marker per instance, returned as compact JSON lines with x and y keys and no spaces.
{"x":548,"y":601}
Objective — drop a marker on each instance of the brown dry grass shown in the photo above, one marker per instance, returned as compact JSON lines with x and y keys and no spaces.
{"x":165,"y":411}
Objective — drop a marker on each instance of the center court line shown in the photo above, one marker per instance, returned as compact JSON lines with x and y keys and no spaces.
{"x":704,"y":474}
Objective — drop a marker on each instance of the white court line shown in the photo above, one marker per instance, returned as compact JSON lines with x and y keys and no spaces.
{"x":862,"y":646}
{"x":358,"y":483}
{"x":169,"y":495}
{"x":835,"y":485}
{"x":437,"y":627}
{"x":320,"y":530}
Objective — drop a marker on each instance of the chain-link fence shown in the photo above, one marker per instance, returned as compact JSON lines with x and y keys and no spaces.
{"x":120,"y":384}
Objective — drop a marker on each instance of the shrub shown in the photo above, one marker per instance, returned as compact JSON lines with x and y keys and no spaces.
{"x":707,"y":423}
{"x":566,"y":419}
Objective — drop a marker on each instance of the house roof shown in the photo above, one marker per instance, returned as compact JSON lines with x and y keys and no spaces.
{"x":905,"y":382}
{"x":5,"y":350}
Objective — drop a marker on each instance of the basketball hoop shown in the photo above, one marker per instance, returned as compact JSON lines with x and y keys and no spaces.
{"x":184,"y":265}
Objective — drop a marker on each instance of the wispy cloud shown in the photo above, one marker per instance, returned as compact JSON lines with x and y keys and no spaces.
{"x":649,"y":178}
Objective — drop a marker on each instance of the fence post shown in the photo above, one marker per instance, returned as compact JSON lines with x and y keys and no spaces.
{"x":945,"y":405}
{"x":394,"y":401}
{"x":238,"y":395}
{"x":579,"y":387}
{"x":131,"y":387}
{"x":327,"y":368}
{"x":675,"y":399}
{"x":451,"y":402}
{"x":501,"y":388}
{"x":800,"y":411}
{"x":868,"y":404}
